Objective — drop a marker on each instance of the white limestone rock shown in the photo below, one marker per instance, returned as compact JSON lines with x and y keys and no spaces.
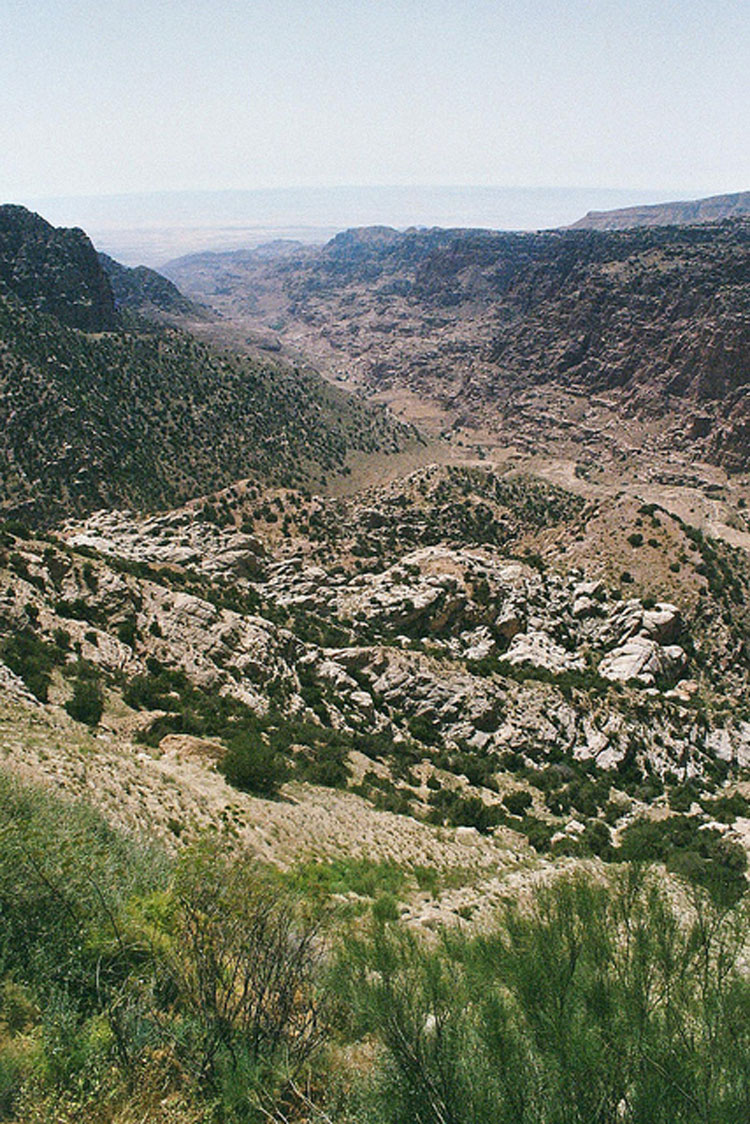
{"x":641,"y":659}
{"x":540,"y":650}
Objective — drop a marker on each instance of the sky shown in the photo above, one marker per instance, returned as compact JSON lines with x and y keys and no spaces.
{"x":116,"y":96}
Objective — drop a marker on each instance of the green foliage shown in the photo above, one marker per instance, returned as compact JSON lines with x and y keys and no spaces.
{"x":66,"y":944}
{"x":123,"y":971}
{"x":120,"y":971}
{"x":451,"y":806}
{"x":575,"y":1008}
{"x":32,"y":660}
{"x":726,"y":809}
{"x":253,"y":766}
{"x":87,"y":703}
{"x":701,"y":855}
{"x":364,"y":877}
{"x":243,"y":964}
{"x":517,"y":802}
{"x":423,"y":730}
{"x":127,"y":632}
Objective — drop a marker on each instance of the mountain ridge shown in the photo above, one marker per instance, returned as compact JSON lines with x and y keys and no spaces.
{"x":713,"y":208}
{"x":100,"y":409}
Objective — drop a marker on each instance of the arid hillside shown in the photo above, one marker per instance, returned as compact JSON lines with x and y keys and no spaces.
{"x":550,"y":340}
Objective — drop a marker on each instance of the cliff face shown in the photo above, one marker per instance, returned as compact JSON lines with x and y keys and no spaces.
{"x":658,"y":320}
{"x":54,"y":271}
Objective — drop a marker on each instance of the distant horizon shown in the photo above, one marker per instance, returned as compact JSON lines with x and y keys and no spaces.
{"x":151,"y":228}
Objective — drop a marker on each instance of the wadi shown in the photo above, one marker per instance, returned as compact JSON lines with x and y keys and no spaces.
{"x":375,"y":676}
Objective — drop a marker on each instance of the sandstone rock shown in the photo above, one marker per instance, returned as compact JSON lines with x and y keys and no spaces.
{"x":469,"y":836}
{"x":479,"y":644}
{"x":641,"y":659}
{"x":509,"y":621}
{"x":185,"y":747}
{"x":540,"y":650}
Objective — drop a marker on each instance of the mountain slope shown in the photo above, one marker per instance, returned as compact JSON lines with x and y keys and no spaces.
{"x":140,"y":415}
{"x":145,"y":291}
{"x":520,"y":331}
{"x":686,"y":212}
{"x":54,"y":271}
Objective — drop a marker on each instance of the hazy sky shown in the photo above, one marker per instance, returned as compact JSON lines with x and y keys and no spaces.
{"x":101,"y":96}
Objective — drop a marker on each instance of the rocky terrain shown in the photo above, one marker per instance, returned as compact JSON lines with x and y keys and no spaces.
{"x":320,"y":729}
{"x":611,"y":343}
{"x":415,"y":689}
{"x":497,"y":649}
{"x":686,"y":212}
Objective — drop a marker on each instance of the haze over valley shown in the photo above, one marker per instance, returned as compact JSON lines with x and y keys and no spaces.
{"x":151,"y":229}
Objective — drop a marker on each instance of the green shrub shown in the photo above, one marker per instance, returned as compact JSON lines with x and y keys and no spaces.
{"x":87,"y":704}
{"x":127,"y":632}
{"x":32,"y":660}
{"x":700,"y":855}
{"x":587,"y":1002}
{"x":538,"y":833}
{"x":251,"y":765}
{"x":517,"y":802}
{"x":423,"y":730}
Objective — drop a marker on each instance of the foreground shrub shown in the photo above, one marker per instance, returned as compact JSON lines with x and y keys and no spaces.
{"x":600,"y":1003}
{"x":122,"y":972}
{"x":244,"y":966}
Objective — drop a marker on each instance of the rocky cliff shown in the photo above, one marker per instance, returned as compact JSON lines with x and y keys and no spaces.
{"x":54,"y":271}
{"x":481,"y":323}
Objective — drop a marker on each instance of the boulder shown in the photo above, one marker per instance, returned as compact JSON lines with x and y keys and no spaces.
{"x":641,"y":659}
{"x":540,"y":650}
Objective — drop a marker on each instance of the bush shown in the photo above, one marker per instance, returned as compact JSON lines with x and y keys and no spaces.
{"x":121,"y":974}
{"x":576,"y":1007}
{"x":66,"y":946}
{"x":700,"y":855}
{"x":127,"y":632}
{"x":32,"y":660}
{"x":423,"y":730}
{"x":538,"y":833}
{"x":251,"y":765}
{"x":517,"y":802}
{"x":87,"y":704}
{"x":243,"y":966}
